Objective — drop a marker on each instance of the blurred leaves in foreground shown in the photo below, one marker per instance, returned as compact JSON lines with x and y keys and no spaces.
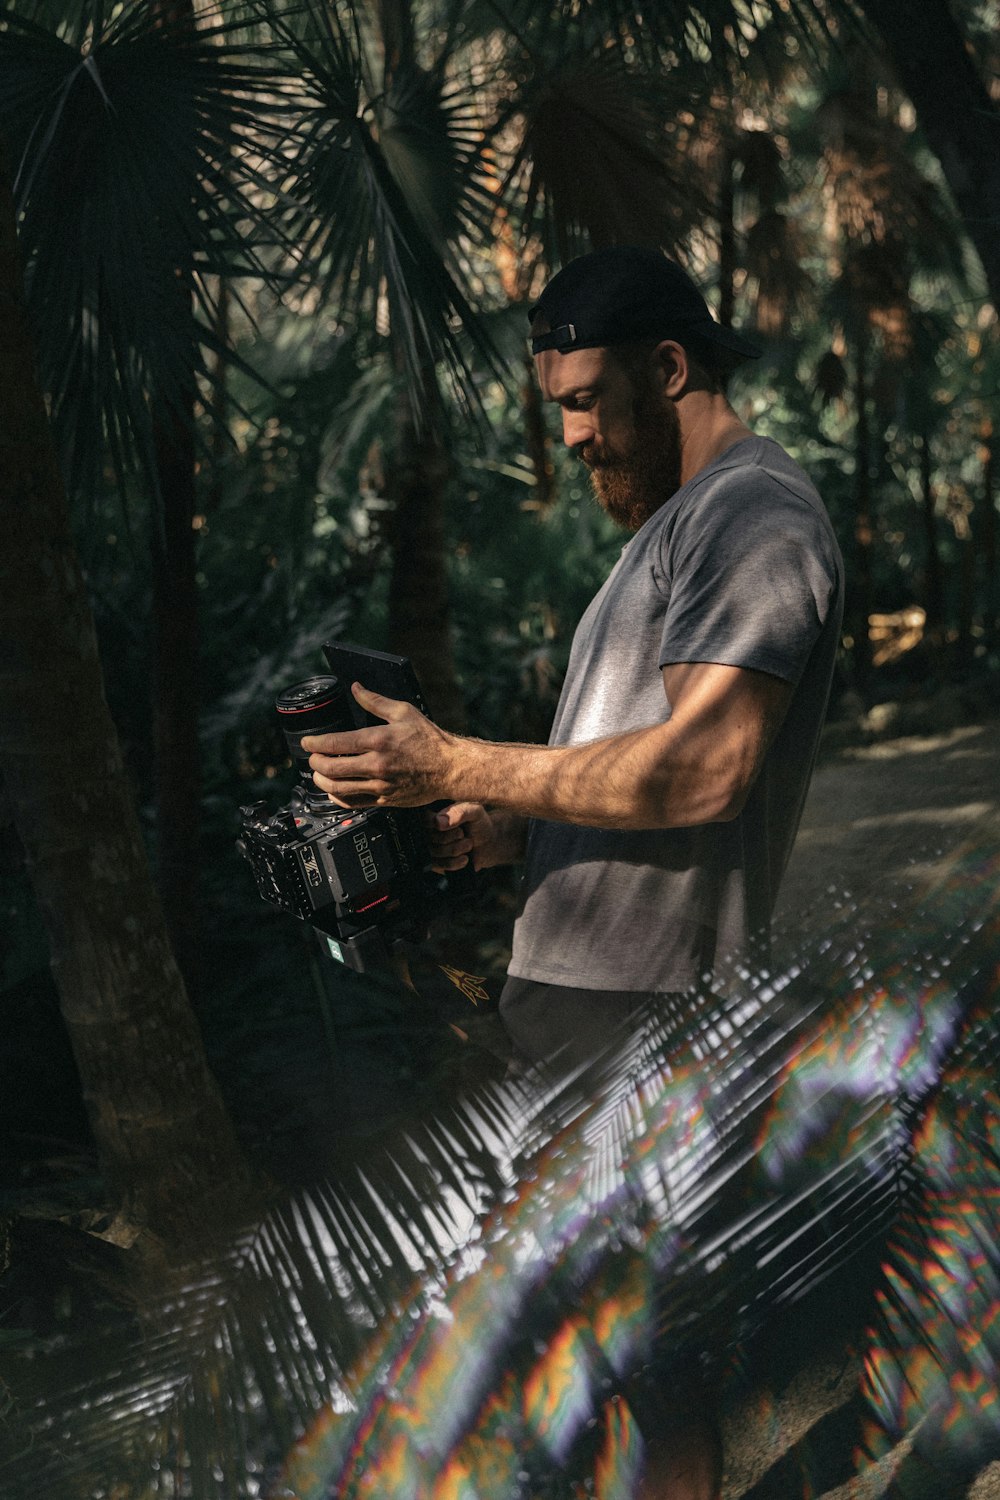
{"x":487,"y":1304}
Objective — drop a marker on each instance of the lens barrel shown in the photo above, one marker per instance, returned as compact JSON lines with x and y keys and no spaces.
{"x":320,"y":705}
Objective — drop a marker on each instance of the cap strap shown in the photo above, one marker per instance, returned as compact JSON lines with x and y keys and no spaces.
{"x":563,"y":337}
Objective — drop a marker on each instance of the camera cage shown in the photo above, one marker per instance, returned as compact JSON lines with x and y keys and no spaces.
{"x":320,"y":864}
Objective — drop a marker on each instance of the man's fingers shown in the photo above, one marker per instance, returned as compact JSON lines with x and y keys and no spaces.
{"x":451,"y":841}
{"x":444,"y":866}
{"x":383,"y":708}
{"x":457,"y":813}
{"x":353,"y":792}
{"x":343,"y":767}
{"x":345,"y":742}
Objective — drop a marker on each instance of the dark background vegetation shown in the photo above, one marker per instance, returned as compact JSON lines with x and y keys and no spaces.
{"x":275,"y":263}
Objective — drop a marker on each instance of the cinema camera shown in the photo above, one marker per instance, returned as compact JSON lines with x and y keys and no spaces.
{"x":363,"y":877}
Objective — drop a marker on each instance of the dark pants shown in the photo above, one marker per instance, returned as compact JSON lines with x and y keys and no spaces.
{"x":561,"y":1029}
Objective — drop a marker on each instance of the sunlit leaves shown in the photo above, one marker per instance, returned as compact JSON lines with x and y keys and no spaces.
{"x":210,"y":1370}
{"x":780,"y":283}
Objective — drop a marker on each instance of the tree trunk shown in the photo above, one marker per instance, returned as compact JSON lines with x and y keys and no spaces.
{"x":218,"y":408}
{"x":989,"y":536}
{"x":933,"y":585}
{"x":177,"y":756}
{"x":419,"y":616}
{"x":727,"y":242}
{"x":863,"y":593}
{"x":537,"y":440}
{"x":966,"y":597}
{"x":176,"y":697}
{"x":727,"y":239}
{"x":165,"y":1140}
{"x":955,"y":112}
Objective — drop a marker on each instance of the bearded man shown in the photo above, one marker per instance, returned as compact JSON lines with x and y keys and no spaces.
{"x":656,"y":824}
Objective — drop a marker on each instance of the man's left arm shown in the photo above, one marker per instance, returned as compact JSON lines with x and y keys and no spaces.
{"x":697,"y":767}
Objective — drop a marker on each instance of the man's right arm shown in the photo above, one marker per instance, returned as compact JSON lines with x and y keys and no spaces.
{"x":467,"y":830}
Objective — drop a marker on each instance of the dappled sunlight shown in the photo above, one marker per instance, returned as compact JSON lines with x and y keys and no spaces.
{"x":893,"y":634}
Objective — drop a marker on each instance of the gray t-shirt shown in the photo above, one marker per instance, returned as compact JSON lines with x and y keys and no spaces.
{"x":741,"y":567}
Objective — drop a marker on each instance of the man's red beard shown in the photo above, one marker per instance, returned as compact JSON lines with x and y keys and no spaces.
{"x":632,"y":486}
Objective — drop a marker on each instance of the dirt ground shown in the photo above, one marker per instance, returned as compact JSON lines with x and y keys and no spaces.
{"x":882,"y":818}
{"x":890,"y":813}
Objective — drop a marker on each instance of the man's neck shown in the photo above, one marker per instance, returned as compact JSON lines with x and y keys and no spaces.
{"x":708,"y":427}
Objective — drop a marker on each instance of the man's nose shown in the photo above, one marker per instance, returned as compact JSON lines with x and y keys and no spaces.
{"x":577,"y":428}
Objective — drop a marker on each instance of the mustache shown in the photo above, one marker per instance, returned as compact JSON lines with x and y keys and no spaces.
{"x":600,"y":458}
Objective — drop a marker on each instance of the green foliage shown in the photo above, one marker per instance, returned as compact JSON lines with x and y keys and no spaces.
{"x":663,"y":1205}
{"x":522,"y":574}
{"x":385,"y":129}
{"x":122,"y":132}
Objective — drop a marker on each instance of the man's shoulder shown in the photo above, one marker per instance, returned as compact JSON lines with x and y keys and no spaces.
{"x":752,"y":493}
{"x":754,"y":464}
{"x":756,"y":482}
{"x":754,"y":501}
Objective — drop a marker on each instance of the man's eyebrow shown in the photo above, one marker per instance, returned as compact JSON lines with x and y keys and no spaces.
{"x":576,"y":393}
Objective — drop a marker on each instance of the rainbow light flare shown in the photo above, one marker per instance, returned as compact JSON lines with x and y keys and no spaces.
{"x":689,"y":1187}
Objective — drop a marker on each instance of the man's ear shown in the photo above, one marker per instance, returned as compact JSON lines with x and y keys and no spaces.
{"x":672,"y":364}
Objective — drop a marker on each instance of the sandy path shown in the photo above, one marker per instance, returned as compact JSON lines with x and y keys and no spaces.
{"x":889,"y":814}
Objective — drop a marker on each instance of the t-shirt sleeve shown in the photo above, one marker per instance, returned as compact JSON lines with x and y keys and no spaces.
{"x":749,"y":576}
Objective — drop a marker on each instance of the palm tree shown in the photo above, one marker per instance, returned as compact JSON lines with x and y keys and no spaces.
{"x":395,"y":114}
{"x":935,"y":61}
{"x":164,"y":1138}
{"x":381,"y":123}
{"x":121,"y":127}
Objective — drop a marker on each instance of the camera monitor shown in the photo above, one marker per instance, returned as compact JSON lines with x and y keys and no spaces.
{"x":392,"y":676}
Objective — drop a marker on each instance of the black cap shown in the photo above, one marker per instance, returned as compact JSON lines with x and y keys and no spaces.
{"x":625,"y":292}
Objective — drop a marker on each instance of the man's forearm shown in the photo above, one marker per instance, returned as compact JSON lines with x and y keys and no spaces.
{"x":696,"y":767}
{"x":631,"y":780}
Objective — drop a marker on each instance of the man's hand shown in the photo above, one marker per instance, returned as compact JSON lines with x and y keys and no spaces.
{"x":466,"y":830}
{"x":402,"y":763}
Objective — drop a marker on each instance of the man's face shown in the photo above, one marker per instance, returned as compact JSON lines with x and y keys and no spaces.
{"x":622,"y":425}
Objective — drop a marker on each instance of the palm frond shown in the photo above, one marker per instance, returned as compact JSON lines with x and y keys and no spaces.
{"x":780,"y":285}
{"x":196,"y":1356}
{"x":880,"y":193}
{"x":600,"y":158}
{"x":125,"y":147}
{"x":482,"y":1297}
{"x":933,"y":1364}
{"x":755,"y":1161}
{"x":763,"y":167}
{"x":721,"y":39}
{"x":386,"y":180}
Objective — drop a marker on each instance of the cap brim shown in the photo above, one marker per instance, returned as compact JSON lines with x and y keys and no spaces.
{"x":728,"y":338}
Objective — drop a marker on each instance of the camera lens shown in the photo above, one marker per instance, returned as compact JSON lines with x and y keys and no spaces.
{"x":319,"y":705}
